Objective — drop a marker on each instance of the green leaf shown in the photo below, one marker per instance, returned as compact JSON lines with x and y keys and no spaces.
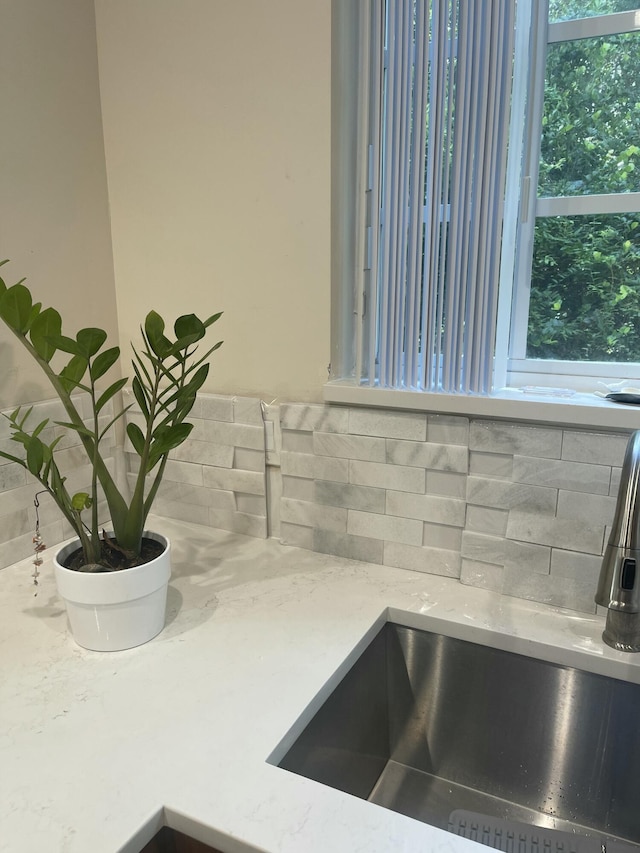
{"x":212,"y":319}
{"x":139,"y":394}
{"x":90,"y":340}
{"x":48,"y":323}
{"x":188,"y":325}
{"x":103,"y":362}
{"x":35,"y":311}
{"x":71,"y":375}
{"x":165,"y":439}
{"x":80,"y":501}
{"x":64,"y":343}
{"x":154,"y":330}
{"x":81,"y":429}
{"x":15,"y":307}
{"x":35,"y":456}
{"x":111,"y":391}
{"x":136,"y":437}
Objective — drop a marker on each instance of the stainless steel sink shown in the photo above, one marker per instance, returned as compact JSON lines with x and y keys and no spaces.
{"x":438,"y":728}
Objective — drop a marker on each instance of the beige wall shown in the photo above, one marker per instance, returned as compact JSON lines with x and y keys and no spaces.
{"x":216,"y":119}
{"x":54,"y":221}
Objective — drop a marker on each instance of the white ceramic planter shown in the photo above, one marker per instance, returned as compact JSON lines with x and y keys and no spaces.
{"x":111,"y":611}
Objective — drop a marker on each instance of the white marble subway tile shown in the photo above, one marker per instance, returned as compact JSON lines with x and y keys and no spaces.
{"x":13,"y":449}
{"x":482,"y":575}
{"x":314,"y":467}
{"x":251,"y":504}
{"x":198,"y":495}
{"x":365,"y":448}
{"x":439,"y":510}
{"x":21,"y":547}
{"x":448,"y":429}
{"x":527,"y":557}
{"x":604,"y":448}
{"x":182,"y":472}
{"x":556,"y":591}
{"x":204,"y":453}
{"x":408,"y":425}
{"x":248,"y":460}
{"x":501,"y":494}
{"x":365,"y":498}
{"x":300,"y":537}
{"x":482,"y":548}
{"x":482,"y":519}
{"x":561,"y":474}
{"x":20,"y":498}
{"x":238,"y":522}
{"x":12,"y":476}
{"x":312,"y":515}
{"x":614,"y":484}
{"x":247,"y":410}
{"x":597,"y":509}
{"x":446,"y":483}
{"x":432,"y":561}
{"x":491,"y":464}
{"x":383,"y":476}
{"x":230,"y":479}
{"x":299,"y":441}
{"x":569,"y":564}
{"x":298,"y":488}
{"x":181,"y":511}
{"x":304,"y":416}
{"x":421,"y":454}
{"x":557,"y":532}
{"x":237,"y":435}
{"x":348,"y":546}
{"x":441,"y":536}
{"x":375,"y":526}
{"x":214,"y":407}
{"x":504,"y":437}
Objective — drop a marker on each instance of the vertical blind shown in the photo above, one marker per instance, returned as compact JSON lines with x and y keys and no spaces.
{"x":432,"y":135}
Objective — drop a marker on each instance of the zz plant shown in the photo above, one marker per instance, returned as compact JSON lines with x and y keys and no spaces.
{"x":167,"y":376}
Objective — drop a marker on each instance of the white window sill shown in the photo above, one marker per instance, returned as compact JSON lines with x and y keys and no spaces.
{"x":584,"y":410}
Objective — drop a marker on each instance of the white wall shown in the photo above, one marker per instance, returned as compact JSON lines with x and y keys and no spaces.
{"x":54,"y":219}
{"x":217,"y":117}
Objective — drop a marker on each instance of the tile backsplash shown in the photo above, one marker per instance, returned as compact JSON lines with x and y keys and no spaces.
{"x":518,"y":509}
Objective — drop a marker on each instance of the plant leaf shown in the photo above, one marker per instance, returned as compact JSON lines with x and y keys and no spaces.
{"x":212,"y":319}
{"x":154,"y":331}
{"x":64,"y":343}
{"x":71,"y":375}
{"x":167,"y":438}
{"x":35,"y":455}
{"x":81,"y":430}
{"x":48,"y":323}
{"x":15,"y":307}
{"x":136,"y":437}
{"x":80,"y":501}
{"x":139,"y":394}
{"x":90,"y":340}
{"x":111,"y":391}
{"x":103,"y":362}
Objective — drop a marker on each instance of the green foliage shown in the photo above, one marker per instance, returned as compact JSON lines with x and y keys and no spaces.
{"x":168,"y":374}
{"x":585,"y":286}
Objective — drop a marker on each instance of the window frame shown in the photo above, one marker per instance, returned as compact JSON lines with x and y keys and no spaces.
{"x":526,"y":206}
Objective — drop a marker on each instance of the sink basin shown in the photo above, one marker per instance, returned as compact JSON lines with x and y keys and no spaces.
{"x":463,"y":736}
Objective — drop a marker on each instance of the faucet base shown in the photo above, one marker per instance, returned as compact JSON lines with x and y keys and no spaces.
{"x":622,"y":631}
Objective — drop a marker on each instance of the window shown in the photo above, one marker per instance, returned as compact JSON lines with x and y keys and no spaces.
{"x":577,"y":289}
{"x":494,"y":183}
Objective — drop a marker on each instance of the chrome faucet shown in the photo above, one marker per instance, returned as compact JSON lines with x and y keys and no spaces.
{"x":619,"y":583}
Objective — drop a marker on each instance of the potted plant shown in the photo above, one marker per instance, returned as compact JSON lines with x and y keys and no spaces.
{"x":114,"y":584}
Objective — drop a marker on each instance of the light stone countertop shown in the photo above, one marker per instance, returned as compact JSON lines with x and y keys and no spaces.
{"x":98,"y":749}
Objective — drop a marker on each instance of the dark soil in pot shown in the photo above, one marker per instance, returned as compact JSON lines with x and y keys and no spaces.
{"x":114,"y":558}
